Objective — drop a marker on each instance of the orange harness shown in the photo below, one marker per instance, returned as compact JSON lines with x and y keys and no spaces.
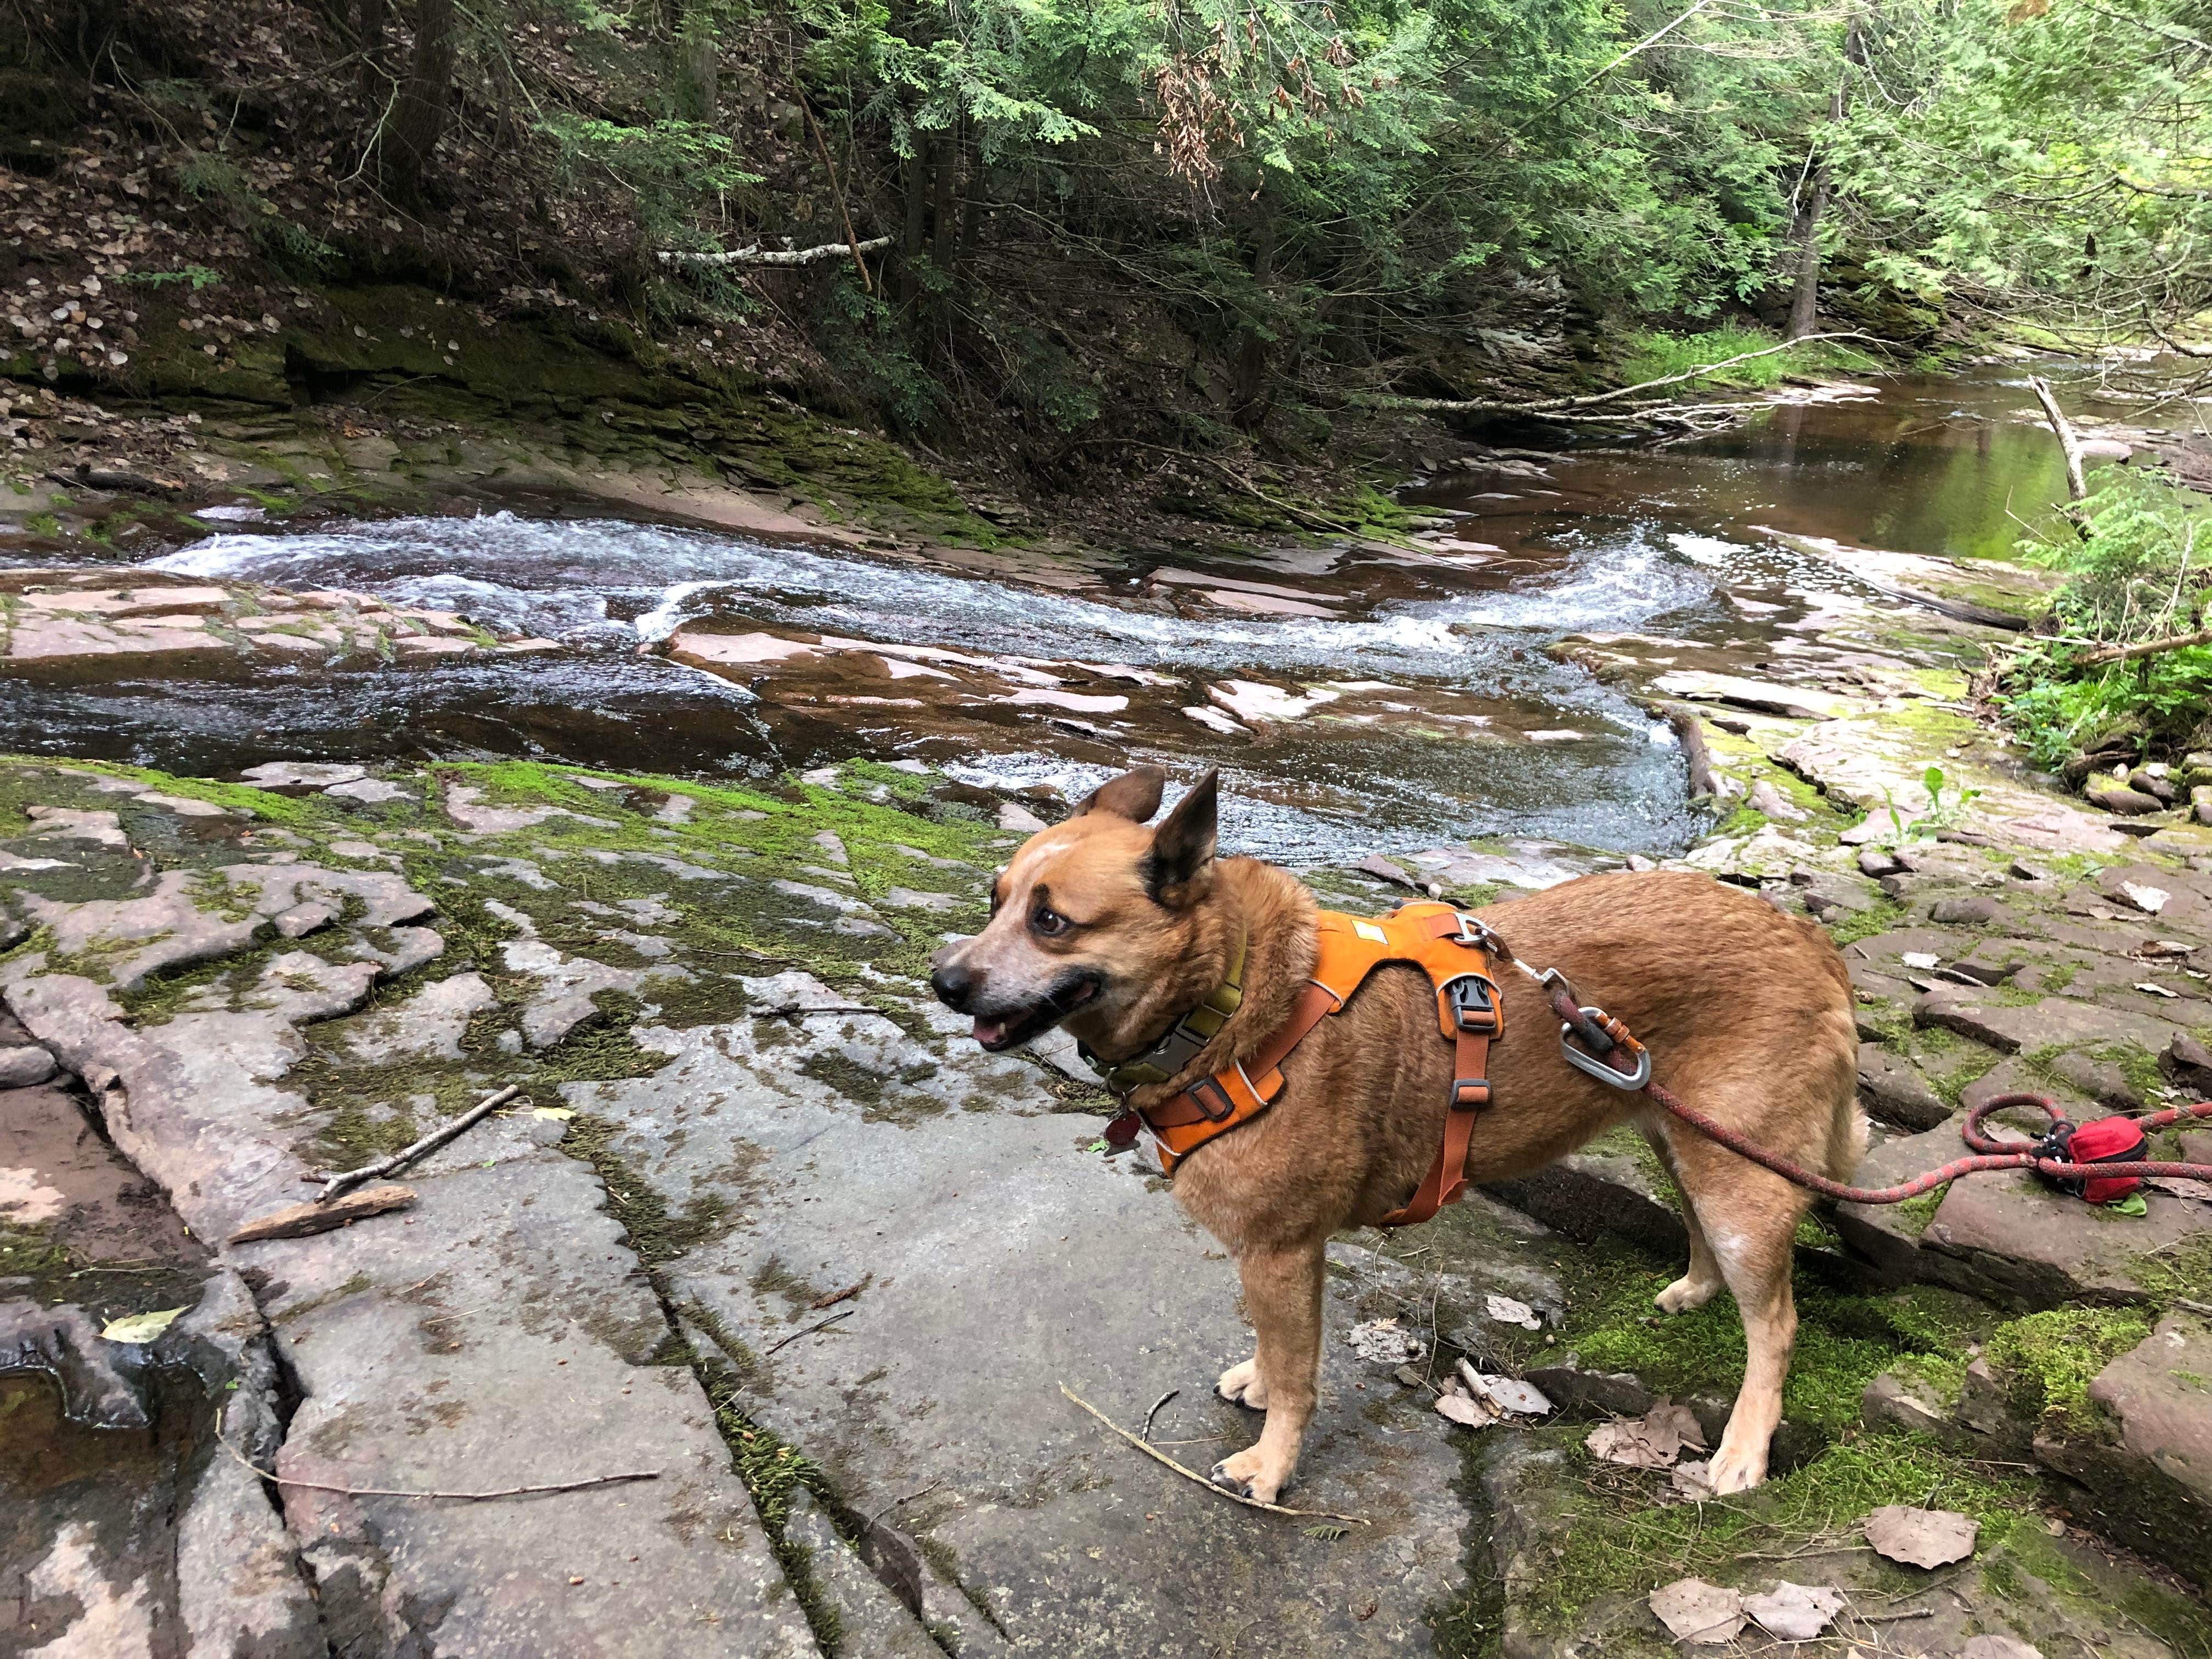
{"x":1453,"y":949}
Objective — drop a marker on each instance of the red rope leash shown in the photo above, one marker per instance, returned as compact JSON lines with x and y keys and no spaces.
{"x":1609,"y":1052}
{"x":1989,"y":1155}
{"x":1984,"y":1163}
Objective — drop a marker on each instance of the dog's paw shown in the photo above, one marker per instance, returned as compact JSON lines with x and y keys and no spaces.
{"x":1245,"y":1474}
{"x":1685,"y":1293}
{"x":1240,"y":1385}
{"x":1734,"y":1470}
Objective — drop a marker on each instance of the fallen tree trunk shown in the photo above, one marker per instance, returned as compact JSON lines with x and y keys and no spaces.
{"x":1551,"y":405}
{"x":757,"y":256}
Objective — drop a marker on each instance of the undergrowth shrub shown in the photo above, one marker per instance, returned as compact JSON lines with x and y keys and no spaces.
{"x":2135,"y":576}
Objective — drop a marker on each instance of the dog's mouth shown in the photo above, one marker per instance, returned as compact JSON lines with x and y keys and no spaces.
{"x":999,"y":1032}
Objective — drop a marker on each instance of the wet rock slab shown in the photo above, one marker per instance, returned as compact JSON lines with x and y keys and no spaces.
{"x":1000,"y":1257}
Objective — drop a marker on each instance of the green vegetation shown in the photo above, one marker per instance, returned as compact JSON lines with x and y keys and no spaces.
{"x":1844,"y":1339}
{"x":2135,"y":576}
{"x":1658,"y":355}
{"x":1192,"y":227}
{"x":2049,"y":1358}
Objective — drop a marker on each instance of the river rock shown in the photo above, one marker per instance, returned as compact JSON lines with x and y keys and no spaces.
{"x":871,"y":1618}
{"x":2152,"y":1481}
{"x":1610,"y":1186}
{"x":1066,"y":1269}
{"x":302,"y":775}
{"x":1893,"y":1090}
{"x":2010,"y":1027}
{"x":2116,"y":797}
{"x":23,"y":1064}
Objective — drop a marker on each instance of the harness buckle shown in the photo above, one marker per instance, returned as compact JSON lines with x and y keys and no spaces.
{"x":1472,"y":1001}
{"x":1205,"y":1094}
{"x":1617,"y":1038}
{"x":1470,"y":1094}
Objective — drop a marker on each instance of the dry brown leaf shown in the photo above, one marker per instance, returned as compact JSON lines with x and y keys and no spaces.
{"x":1795,"y":1612}
{"x":1694,"y":1611}
{"x":1460,"y":1409}
{"x":1921,"y":1538}
{"x":1652,"y":1441}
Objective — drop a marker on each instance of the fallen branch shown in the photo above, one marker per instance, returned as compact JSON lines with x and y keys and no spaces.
{"x":836,"y":193}
{"x":760,"y":256}
{"x":304,"y":1220}
{"x":1188,"y":1474}
{"x":1690,"y":732}
{"x":469,"y":1497}
{"x":2109,"y":653}
{"x":1155,"y":1411}
{"x":1488,"y":406}
{"x":429,"y":1143}
{"x":822,"y":1326}
{"x":2077,"y":486}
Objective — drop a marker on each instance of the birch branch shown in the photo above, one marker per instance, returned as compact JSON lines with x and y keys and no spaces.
{"x":2111,"y":653}
{"x":2077,"y":488}
{"x":759,"y":256}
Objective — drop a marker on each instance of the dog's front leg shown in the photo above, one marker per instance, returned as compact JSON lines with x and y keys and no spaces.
{"x":1282,"y":1292}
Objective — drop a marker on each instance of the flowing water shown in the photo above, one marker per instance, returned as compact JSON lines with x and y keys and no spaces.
{"x":1355,"y":699}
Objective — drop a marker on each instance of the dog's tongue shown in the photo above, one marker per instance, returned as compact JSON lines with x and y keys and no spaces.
{"x":988,"y":1031}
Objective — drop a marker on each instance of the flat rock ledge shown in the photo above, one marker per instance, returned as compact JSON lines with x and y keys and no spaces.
{"x":766,"y":1225}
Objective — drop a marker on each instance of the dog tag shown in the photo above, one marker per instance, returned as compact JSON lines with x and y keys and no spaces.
{"x":1121,"y":1133}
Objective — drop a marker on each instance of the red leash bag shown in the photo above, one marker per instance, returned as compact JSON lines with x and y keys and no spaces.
{"x":2105,"y":1141}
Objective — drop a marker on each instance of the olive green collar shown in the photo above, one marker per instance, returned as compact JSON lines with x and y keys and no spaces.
{"x":1166,"y":1059}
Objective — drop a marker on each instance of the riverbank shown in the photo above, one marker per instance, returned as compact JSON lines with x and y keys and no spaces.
{"x":732,"y":1234}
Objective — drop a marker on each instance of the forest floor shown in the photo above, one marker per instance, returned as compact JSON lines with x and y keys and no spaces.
{"x":766,"y":1226}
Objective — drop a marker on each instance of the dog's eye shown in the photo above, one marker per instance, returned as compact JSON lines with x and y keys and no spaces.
{"x":1048,"y":921}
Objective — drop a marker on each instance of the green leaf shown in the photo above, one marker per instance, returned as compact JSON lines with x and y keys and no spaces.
{"x":2131,"y":1205}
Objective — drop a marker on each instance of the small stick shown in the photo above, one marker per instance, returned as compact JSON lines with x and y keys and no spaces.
{"x":1188,"y":1474}
{"x":497,"y":1492}
{"x":845,"y":1295}
{"x":896,"y":1502}
{"x":822,"y":1326}
{"x":1155,"y":1411}
{"x":429,"y":1143}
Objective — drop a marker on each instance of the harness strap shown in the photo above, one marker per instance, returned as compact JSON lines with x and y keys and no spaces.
{"x":1434,"y":938}
{"x":1471,"y":1022}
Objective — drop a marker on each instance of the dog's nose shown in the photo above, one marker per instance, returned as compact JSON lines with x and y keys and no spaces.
{"x":953,"y":985}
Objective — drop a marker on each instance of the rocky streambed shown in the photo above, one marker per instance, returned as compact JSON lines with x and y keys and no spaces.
{"x":764,"y":1226}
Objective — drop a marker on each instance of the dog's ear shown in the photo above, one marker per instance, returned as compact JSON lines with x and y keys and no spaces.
{"x":1135,"y":795}
{"x":1184,"y":844}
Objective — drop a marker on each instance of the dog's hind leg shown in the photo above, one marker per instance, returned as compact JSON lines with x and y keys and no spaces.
{"x":1283,"y":1292}
{"x":1750,"y":1222}
{"x":1703,"y":1281}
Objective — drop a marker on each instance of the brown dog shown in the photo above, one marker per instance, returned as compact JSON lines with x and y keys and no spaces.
{"x":1116,"y":930}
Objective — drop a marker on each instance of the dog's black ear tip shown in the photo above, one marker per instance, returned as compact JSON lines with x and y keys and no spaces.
{"x":1134,"y":795}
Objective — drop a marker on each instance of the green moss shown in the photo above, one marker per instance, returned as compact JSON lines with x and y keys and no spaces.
{"x":2049,"y":1358}
{"x":2180,"y":1272}
{"x":1879,"y":918}
{"x":655,"y":1232}
{"x":1844,"y":1339}
{"x":1917,"y":1212}
{"x":1616,"y":1547}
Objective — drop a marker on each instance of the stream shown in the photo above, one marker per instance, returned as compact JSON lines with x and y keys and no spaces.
{"x":1357,"y":700}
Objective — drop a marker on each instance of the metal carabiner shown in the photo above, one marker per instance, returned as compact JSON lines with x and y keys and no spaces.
{"x":1602,"y":1070}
